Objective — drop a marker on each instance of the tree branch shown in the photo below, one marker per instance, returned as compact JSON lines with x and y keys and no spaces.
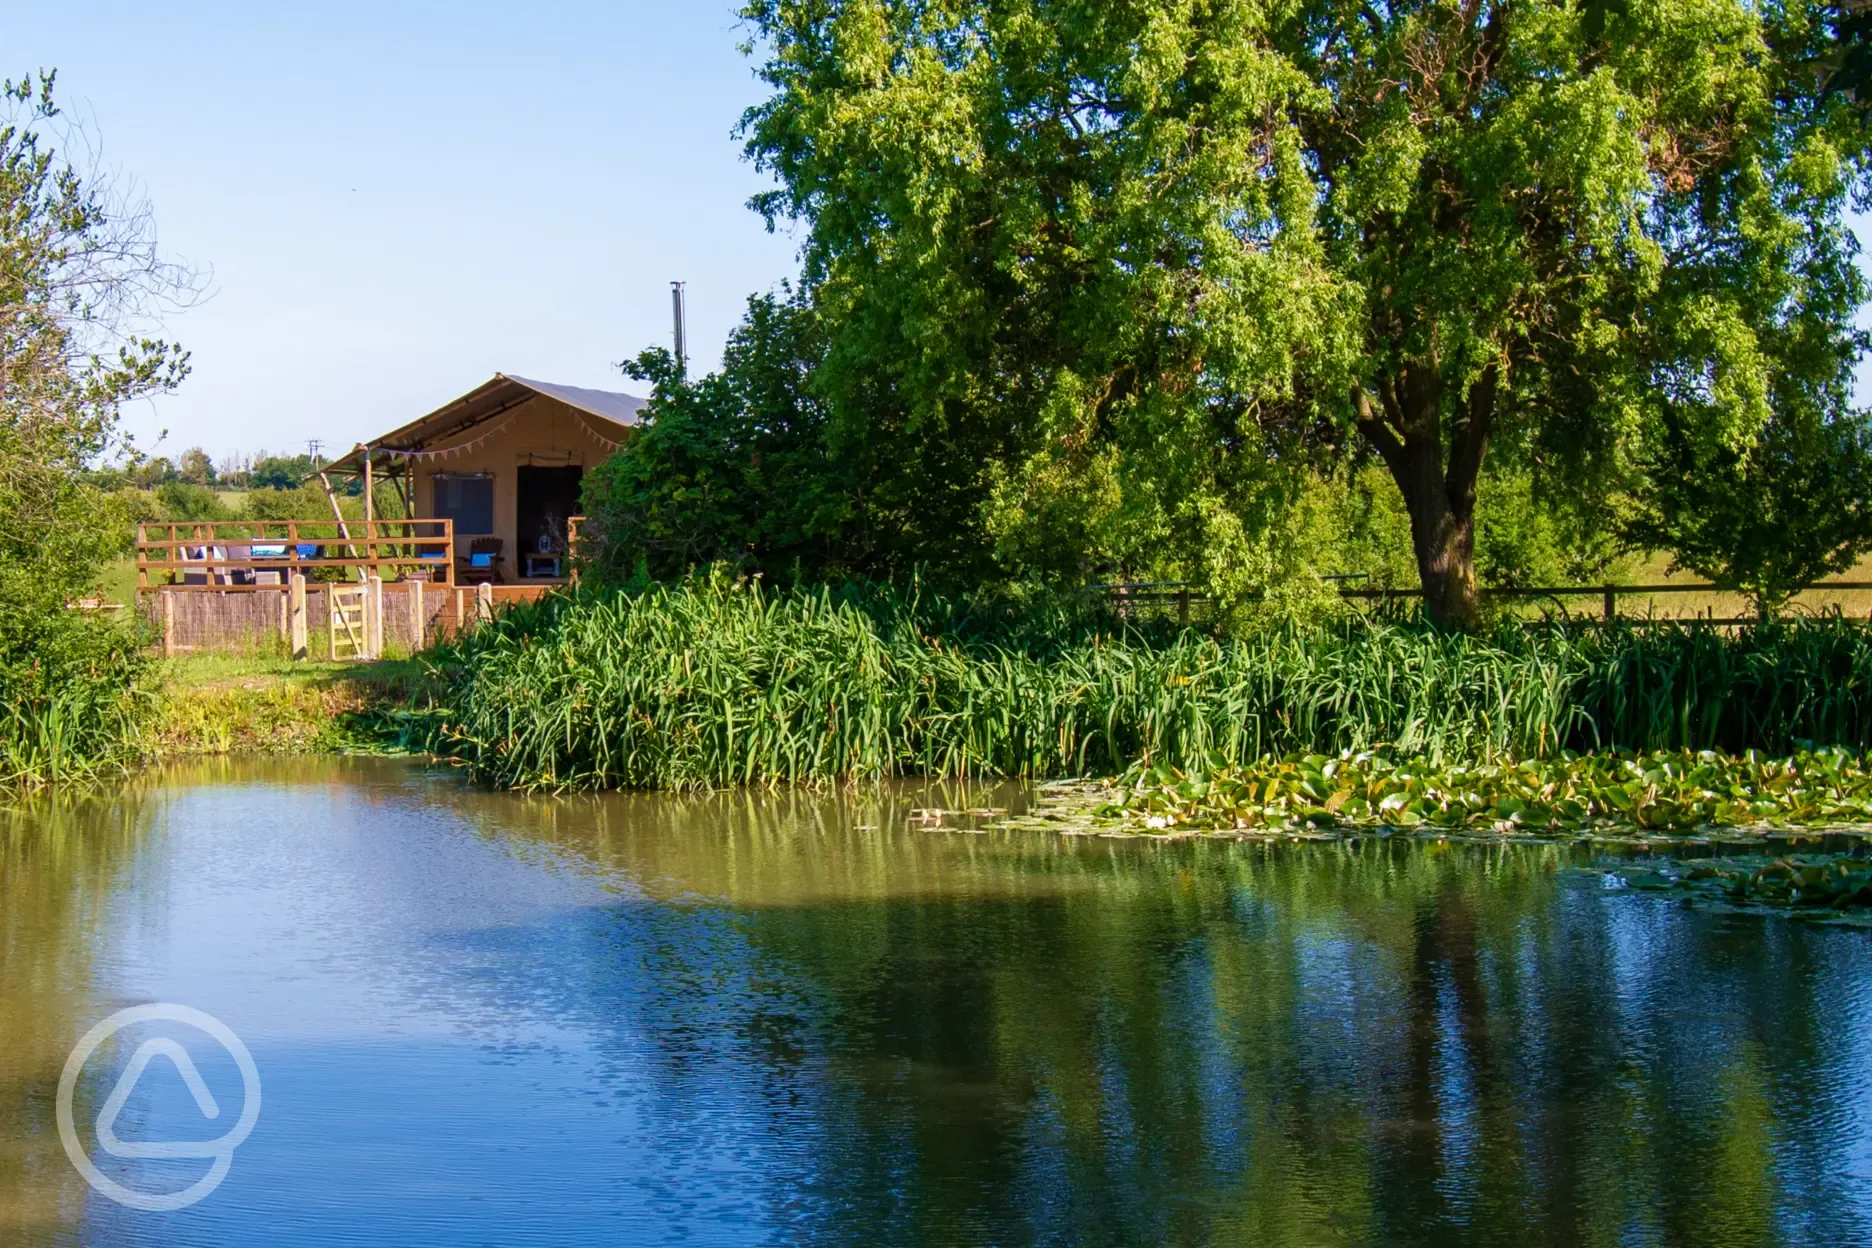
{"x":1372,"y":425}
{"x":1469,"y":445}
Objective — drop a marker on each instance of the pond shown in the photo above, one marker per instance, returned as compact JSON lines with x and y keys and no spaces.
{"x":482,"y":1018}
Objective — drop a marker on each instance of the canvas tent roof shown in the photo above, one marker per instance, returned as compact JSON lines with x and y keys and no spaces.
{"x":485,"y":403}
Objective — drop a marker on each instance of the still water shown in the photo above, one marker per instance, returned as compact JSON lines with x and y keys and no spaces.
{"x":481,"y":1018}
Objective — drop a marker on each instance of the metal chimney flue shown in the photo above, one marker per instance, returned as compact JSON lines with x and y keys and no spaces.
{"x":682,"y":327}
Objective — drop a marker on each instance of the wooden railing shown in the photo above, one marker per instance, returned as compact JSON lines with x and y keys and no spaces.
{"x":264,"y":554}
{"x":1182,"y":594}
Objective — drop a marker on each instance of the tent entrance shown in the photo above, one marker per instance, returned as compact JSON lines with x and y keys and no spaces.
{"x":546,"y":498}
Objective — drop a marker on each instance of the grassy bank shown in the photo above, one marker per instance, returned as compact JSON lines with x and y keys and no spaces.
{"x":711,"y":684}
{"x":222,"y":705}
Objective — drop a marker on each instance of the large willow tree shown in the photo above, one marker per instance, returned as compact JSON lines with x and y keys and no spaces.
{"x":1115,"y":266}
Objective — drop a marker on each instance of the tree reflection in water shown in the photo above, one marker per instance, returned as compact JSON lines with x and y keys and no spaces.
{"x":1013,"y":1038}
{"x":798,"y":1018}
{"x":62,"y":861}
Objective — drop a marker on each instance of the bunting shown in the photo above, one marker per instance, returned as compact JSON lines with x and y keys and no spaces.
{"x":451,"y":451}
{"x":594,"y":435}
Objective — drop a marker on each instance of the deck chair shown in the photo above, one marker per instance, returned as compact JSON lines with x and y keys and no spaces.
{"x":198,"y":575}
{"x":239,"y":574}
{"x":482,"y":563}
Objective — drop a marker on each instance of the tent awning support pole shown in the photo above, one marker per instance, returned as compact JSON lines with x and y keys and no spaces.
{"x":344,"y":530}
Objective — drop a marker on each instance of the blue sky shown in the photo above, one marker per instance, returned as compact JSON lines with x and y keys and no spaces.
{"x":398,"y":200}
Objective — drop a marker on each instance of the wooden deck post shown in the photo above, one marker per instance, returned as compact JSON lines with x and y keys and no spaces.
{"x":373,"y":618}
{"x":484,"y":602}
{"x":168,"y":624}
{"x":301,"y":648}
{"x":419,"y":620}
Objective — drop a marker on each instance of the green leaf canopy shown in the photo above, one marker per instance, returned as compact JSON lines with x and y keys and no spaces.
{"x":1094,"y":277}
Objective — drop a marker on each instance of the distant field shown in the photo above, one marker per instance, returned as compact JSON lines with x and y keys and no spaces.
{"x":1721,"y":606}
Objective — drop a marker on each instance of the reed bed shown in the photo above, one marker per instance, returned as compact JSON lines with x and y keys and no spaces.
{"x":707,"y":684}
{"x":72,"y":708}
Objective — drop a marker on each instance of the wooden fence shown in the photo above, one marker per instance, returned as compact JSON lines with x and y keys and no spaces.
{"x":237,"y":555}
{"x":1182,"y":595}
{"x":259,"y":619}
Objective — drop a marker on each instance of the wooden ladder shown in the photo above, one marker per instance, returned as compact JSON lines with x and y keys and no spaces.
{"x":347,"y":622}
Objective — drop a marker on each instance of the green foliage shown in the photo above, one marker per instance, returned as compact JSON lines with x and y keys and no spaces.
{"x":301,"y":502}
{"x":1099,"y":276}
{"x":735,"y":468}
{"x":1013,"y":280}
{"x":74,"y":698}
{"x":78,"y":273}
{"x":1355,"y":522}
{"x":185,"y":500}
{"x":277,"y":472}
{"x":1770,"y":520}
{"x":1567,"y":795}
{"x":260,"y":472}
{"x":195,"y":467}
{"x":713,"y":683}
{"x":1526,"y":537}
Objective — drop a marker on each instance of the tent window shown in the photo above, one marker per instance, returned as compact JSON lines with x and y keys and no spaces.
{"x":467,"y":499}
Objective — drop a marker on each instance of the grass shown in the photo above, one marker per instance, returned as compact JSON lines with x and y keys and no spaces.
{"x":711,"y":684}
{"x":227,"y":705}
{"x":117,"y":582}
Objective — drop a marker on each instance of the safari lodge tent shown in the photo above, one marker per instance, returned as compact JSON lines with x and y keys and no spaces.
{"x":504,"y":462}
{"x":489,"y":486}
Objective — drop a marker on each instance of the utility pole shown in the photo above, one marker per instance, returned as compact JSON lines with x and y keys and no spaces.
{"x":682,"y":327}
{"x":312,"y":452}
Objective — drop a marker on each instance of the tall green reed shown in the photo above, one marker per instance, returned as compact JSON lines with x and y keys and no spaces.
{"x":711,"y":683}
{"x":72,"y":704}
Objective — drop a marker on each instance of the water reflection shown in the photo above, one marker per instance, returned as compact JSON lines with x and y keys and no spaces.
{"x":797,"y":1018}
{"x":61,"y":866}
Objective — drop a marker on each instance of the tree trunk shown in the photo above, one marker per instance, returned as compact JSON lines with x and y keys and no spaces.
{"x":1406,"y":431}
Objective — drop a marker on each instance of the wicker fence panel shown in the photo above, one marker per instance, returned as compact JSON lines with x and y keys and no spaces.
{"x":257,"y":621}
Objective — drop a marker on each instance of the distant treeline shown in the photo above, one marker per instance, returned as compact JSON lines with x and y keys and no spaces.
{"x":260,"y":471}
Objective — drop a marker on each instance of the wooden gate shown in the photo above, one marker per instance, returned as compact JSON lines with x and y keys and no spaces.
{"x":350,"y":631}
